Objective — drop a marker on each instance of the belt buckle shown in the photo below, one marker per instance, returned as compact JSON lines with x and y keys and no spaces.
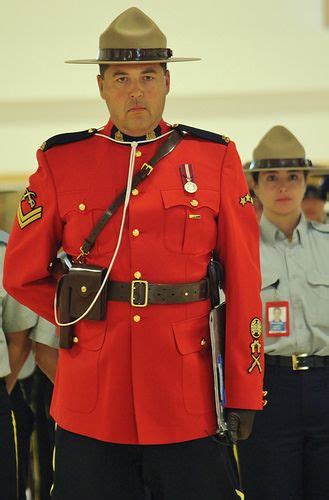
{"x":133,"y":299}
{"x":295,"y":362}
{"x":148,"y":168}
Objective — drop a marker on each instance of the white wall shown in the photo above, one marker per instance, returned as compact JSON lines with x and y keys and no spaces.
{"x":263,"y":63}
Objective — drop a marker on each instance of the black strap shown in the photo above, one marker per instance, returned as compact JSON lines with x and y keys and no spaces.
{"x":167,"y":147}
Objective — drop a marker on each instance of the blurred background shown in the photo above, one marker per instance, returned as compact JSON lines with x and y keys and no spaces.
{"x":263,"y":63}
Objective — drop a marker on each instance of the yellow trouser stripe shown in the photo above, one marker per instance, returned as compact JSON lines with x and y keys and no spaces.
{"x":54,"y":463}
{"x":13,"y":420}
{"x":236,"y":456}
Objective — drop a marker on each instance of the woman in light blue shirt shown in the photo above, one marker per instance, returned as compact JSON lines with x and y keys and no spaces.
{"x":287,"y":456}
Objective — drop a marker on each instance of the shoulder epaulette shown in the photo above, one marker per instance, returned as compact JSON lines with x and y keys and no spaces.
{"x":318,"y":226}
{"x":203,"y":134}
{"x":59,"y":139}
{"x":4,"y":237}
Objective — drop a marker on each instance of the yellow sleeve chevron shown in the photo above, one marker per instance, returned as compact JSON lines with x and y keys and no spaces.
{"x":26,"y":219}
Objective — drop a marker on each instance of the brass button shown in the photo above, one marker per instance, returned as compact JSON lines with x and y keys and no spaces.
{"x":91,"y":130}
{"x":138,"y":154}
{"x":137,"y":275}
{"x":83,"y":289}
{"x":136,"y":318}
{"x":75,"y":340}
{"x":82,"y":207}
{"x":203,"y":342}
{"x":194,"y":203}
{"x":135,"y":232}
{"x":135,"y":192}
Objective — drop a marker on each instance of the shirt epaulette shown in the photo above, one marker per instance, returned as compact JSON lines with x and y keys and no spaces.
{"x":321,"y":227}
{"x":203,"y":134}
{"x":59,"y":139}
{"x":4,"y":237}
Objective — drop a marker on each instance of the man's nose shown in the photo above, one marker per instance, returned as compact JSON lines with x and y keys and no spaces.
{"x":283,"y":185}
{"x":136,"y":91}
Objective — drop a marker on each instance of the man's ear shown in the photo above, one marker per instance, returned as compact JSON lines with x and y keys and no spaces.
{"x":167,"y":77}
{"x":100,"y":82}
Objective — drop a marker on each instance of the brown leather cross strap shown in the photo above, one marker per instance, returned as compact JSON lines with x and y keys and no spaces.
{"x":141,"y":293}
{"x":166,"y":147}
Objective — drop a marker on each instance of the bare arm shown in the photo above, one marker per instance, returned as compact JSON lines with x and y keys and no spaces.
{"x":46,"y":359}
{"x":19,"y":347}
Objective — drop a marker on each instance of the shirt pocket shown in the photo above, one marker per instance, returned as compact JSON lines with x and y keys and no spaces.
{"x":318,"y":301}
{"x":80,"y":213}
{"x":193,"y":344}
{"x":190,"y":229}
{"x":270,"y":285}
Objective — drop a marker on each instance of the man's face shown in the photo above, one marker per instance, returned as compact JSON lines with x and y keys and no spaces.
{"x":135,"y":95}
{"x":277,"y":314}
{"x":313,"y":209}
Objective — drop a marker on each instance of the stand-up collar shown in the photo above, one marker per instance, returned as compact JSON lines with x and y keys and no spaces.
{"x":112,"y":131}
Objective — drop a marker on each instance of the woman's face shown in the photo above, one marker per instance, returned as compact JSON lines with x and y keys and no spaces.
{"x":281,"y":191}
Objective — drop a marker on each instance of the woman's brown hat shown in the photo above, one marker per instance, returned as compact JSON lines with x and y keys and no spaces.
{"x":280,"y":149}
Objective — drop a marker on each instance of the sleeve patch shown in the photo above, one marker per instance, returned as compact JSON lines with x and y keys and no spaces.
{"x":28,"y":211}
{"x":255,"y":346}
{"x":246,"y":199}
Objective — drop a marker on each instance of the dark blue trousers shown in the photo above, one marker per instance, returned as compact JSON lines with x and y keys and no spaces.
{"x":287,"y":455}
{"x":87,"y":469}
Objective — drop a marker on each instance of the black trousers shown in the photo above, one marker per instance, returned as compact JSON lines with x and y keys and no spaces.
{"x":8,"y":470}
{"x":287,"y":455}
{"x":89,"y":469}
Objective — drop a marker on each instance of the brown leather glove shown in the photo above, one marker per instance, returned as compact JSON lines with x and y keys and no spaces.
{"x":239,"y":423}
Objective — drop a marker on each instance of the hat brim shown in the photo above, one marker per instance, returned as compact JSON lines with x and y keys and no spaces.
{"x":96,"y":61}
{"x":311,"y":170}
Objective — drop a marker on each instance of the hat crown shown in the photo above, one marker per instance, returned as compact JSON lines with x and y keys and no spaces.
{"x":132,"y":29}
{"x":278,"y":143}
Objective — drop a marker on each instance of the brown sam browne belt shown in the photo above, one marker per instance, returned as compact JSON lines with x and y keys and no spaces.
{"x":141,"y":293}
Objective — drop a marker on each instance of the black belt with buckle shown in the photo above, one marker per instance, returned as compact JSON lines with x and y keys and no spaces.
{"x":298,"y":361}
{"x":140,"y":293}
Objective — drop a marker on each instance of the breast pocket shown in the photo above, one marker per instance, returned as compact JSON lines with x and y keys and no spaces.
{"x":190,"y":221}
{"x":193,"y":343}
{"x":319,"y":298}
{"x":270,"y":285}
{"x":81,"y":212}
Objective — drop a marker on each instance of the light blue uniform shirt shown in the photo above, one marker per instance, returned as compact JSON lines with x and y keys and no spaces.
{"x":297,"y":272}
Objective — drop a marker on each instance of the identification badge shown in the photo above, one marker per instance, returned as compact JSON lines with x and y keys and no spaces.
{"x":277,"y":319}
{"x":186,"y":171}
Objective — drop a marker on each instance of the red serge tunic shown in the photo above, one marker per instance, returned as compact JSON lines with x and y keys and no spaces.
{"x":144,"y":375}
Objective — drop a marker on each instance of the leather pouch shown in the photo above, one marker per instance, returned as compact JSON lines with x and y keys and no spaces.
{"x":75,"y":292}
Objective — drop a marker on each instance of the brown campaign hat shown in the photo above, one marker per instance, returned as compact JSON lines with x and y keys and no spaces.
{"x":133,"y":38}
{"x":280,"y":149}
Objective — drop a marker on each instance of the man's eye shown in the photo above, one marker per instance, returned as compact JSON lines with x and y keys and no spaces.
{"x":271,"y":178}
{"x":293,"y":177}
{"x":148,"y":77}
{"x":122,"y":79}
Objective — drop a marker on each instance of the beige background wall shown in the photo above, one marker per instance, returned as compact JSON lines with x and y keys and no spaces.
{"x":263,"y":63}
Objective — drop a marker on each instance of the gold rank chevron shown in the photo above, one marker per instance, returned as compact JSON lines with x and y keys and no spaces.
{"x":25,"y":220}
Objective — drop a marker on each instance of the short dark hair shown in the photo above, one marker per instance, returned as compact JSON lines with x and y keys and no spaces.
{"x":103,"y":68}
{"x":255,"y":175}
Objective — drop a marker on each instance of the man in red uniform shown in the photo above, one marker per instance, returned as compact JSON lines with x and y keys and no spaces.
{"x":144,"y":375}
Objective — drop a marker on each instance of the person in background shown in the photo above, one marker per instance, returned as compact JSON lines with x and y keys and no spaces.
{"x":313,"y":204}
{"x":287,"y":455}
{"x":15,"y":345}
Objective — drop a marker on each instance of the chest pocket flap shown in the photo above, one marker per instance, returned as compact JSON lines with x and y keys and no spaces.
{"x":204,"y":197}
